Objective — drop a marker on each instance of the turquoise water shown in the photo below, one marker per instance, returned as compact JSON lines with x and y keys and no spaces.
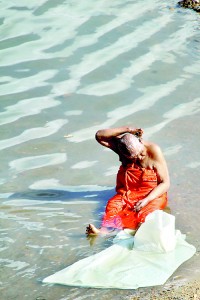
{"x":67,"y":69}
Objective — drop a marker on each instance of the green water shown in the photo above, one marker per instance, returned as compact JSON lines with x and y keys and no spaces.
{"x":69,"y":68}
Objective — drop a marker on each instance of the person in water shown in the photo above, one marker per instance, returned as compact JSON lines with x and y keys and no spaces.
{"x":142,"y":180}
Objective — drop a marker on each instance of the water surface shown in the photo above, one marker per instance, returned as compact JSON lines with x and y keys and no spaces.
{"x":67,"y":69}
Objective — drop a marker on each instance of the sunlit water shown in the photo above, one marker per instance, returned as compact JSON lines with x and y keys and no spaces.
{"x":67,"y":69}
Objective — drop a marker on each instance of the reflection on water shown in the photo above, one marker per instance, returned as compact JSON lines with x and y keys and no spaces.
{"x":67,"y":69}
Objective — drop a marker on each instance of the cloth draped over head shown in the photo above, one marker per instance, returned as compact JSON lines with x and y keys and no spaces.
{"x":147,"y":259}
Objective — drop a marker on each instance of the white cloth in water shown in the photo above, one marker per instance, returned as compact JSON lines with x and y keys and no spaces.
{"x":147,"y":259}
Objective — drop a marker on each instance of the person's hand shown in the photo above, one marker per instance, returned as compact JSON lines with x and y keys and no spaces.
{"x":140,"y":204}
{"x":137,"y":131}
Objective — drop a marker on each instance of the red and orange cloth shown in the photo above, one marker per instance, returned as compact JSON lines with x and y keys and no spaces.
{"x":133,"y":184}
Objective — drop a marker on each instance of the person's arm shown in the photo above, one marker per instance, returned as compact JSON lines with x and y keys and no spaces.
{"x":160,"y":166}
{"x":107,"y":137}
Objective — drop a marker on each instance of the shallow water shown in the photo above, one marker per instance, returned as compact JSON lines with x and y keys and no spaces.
{"x":67,"y":69}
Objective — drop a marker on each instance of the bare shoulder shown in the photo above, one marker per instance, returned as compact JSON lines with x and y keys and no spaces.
{"x":154,"y":150}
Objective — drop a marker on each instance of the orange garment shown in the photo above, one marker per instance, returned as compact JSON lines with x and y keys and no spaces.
{"x":133,"y":184}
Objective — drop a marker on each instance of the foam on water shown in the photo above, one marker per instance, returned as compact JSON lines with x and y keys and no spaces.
{"x":23,"y":202}
{"x":184,"y":109}
{"x":151,"y":95}
{"x":37,"y":80}
{"x":180,"y":111}
{"x":34,"y":162}
{"x":16,"y":265}
{"x":45,"y":184}
{"x":122,"y":45}
{"x":194,"y":165}
{"x":158,"y":52}
{"x":73,"y":113}
{"x":83,"y":164}
{"x":121,"y":17}
{"x":172,"y":150}
{"x":33,"y":133}
{"x":19,"y":110}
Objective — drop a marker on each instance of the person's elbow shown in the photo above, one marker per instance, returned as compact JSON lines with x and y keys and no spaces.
{"x":98,"y":136}
{"x":167,"y":184}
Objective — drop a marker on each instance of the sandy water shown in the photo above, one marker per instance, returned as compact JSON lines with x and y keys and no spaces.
{"x":68,"y":69}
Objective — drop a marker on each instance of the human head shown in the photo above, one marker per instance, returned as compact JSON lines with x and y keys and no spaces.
{"x":130,"y":146}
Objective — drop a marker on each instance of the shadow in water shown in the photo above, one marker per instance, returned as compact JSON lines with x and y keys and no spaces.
{"x":54,"y":195}
{"x":64,"y":195}
{"x":60,"y":195}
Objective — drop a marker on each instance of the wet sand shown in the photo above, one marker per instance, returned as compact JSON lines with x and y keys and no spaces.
{"x":191,"y":290}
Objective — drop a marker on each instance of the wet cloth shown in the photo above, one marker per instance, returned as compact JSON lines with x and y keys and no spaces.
{"x":133,"y":184}
{"x":147,"y":259}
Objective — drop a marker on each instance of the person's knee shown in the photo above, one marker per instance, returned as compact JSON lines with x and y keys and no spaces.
{"x":113,"y":208}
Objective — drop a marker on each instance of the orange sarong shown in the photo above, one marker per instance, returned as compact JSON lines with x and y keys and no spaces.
{"x":133,"y":184}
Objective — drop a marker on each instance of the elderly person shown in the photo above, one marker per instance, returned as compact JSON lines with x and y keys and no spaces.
{"x":142,"y":180}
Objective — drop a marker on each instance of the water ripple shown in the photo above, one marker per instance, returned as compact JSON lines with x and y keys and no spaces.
{"x":34,"y":162}
{"x":33,"y":133}
{"x":19,"y":110}
{"x":90,"y":65}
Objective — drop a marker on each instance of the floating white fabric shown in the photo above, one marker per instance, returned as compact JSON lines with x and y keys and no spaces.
{"x":147,"y":259}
